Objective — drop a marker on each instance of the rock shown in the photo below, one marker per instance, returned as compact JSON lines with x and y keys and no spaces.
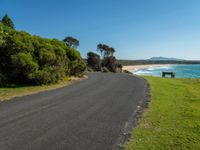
{"x":104,"y":69}
{"x":126,"y":71}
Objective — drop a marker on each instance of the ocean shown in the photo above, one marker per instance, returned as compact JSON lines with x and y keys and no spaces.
{"x":182,"y":71}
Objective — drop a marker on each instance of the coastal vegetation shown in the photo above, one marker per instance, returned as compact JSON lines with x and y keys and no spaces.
{"x":108,"y":63}
{"x":30,"y":64}
{"x":71,"y":42}
{"x":172,"y":120}
{"x":28,"y":59}
{"x":94,"y":61}
{"x":7,"y":22}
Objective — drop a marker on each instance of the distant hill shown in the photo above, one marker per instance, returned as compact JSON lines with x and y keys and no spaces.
{"x":163,"y":58}
{"x":148,"y":61}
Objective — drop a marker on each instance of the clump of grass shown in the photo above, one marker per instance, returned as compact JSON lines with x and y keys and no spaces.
{"x":172,"y":120}
{"x":16,"y":90}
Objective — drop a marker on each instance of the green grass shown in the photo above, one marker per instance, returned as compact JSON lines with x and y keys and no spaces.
{"x":172,"y":121}
{"x":22,"y":90}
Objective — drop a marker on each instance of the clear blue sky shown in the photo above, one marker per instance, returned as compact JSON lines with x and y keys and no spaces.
{"x":137,"y":29}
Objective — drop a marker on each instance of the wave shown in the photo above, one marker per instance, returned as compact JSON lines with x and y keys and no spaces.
{"x":182,"y":71}
{"x":142,"y":72}
{"x":159,"y":67}
{"x":152,"y":69}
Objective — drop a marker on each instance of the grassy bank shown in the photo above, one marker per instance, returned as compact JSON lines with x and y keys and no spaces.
{"x":172,"y":120}
{"x":22,"y":90}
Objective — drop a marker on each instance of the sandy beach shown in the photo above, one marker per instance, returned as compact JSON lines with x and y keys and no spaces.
{"x":138,"y":67}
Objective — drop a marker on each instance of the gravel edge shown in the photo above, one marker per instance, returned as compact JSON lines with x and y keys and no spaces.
{"x":126,"y":131}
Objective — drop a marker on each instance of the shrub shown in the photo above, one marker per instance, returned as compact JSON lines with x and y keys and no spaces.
{"x":1,"y":34}
{"x":73,"y":54}
{"x":23,"y":66}
{"x":47,"y":75}
{"x":47,"y":56}
{"x":36,"y":60}
{"x":7,"y":22}
{"x":119,"y":67}
{"x":41,"y":77}
{"x":110,"y":63}
{"x":77,"y":67}
{"x":94,"y":61}
{"x":24,"y":61}
{"x":19,"y":42}
{"x":3,"y":80}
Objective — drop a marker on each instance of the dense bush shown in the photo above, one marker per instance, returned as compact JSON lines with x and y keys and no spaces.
{"x":77,"y":67}
{"x":3,"y":79}
{"x":73,"y":54}
{"x":108,"y":62}
{"x":7,"y":22}
{"x":36,"y":60}
{"x":94,"y":61}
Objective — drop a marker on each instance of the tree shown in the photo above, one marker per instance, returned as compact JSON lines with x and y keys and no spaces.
{"x":1,"y":34}
{"x":31,"y":59}
{"x":112,"y":51}
{"x":7,"y":21}
{"x":77,"y":67}
{"x":94,"y":61}
{"x":105,"y":50}
{"x":119,"y":67}
{"x":71,"y":42}
{"x":23,"y":64}
{"x":110,"y":63}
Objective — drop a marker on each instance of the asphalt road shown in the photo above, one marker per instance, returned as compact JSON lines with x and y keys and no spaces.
{"x":88,"y":115}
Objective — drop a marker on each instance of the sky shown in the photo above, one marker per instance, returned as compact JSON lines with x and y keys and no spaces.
{"x":137,"y":29}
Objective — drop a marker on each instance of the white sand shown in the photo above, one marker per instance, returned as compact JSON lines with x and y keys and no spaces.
{"x":138,"y":67}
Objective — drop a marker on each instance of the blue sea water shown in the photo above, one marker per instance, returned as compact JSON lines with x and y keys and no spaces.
{"x":182,"y":71}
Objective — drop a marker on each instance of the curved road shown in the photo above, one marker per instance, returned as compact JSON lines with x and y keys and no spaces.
{"x":88,"y":115}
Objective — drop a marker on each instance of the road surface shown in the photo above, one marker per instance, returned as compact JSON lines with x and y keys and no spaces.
{"x":88,"y":115}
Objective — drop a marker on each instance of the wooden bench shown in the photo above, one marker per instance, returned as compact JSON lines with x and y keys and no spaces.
{"x":172,"y":74}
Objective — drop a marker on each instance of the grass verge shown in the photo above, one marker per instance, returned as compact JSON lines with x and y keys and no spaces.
{"x":22,"y":90}
{"x":172,"y":121}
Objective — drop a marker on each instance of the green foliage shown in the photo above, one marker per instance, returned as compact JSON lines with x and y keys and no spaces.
{"x":7,"y":22}
{"x":19,"y":42}
{"x":1,"y":34}
{"x":77,"y":67}
{"x":23,"y":63}
{"x":110,"y":63}
{"x":71,"y":42}
{"x":73,"y":54}
{"x":94,"y":61}
{"x":105,"y":50}
{"x":47,"y":56}
{"x":47,"y":75}
{"x":3,"y":80}
{"x":36,"y":60}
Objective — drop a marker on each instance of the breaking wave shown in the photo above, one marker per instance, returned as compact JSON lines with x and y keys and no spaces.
{"x":182,"y":71}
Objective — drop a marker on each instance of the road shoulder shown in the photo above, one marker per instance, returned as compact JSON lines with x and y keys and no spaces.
{"x":9,"y":93}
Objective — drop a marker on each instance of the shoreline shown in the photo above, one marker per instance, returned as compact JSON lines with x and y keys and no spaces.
{"x":139,"y":67}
